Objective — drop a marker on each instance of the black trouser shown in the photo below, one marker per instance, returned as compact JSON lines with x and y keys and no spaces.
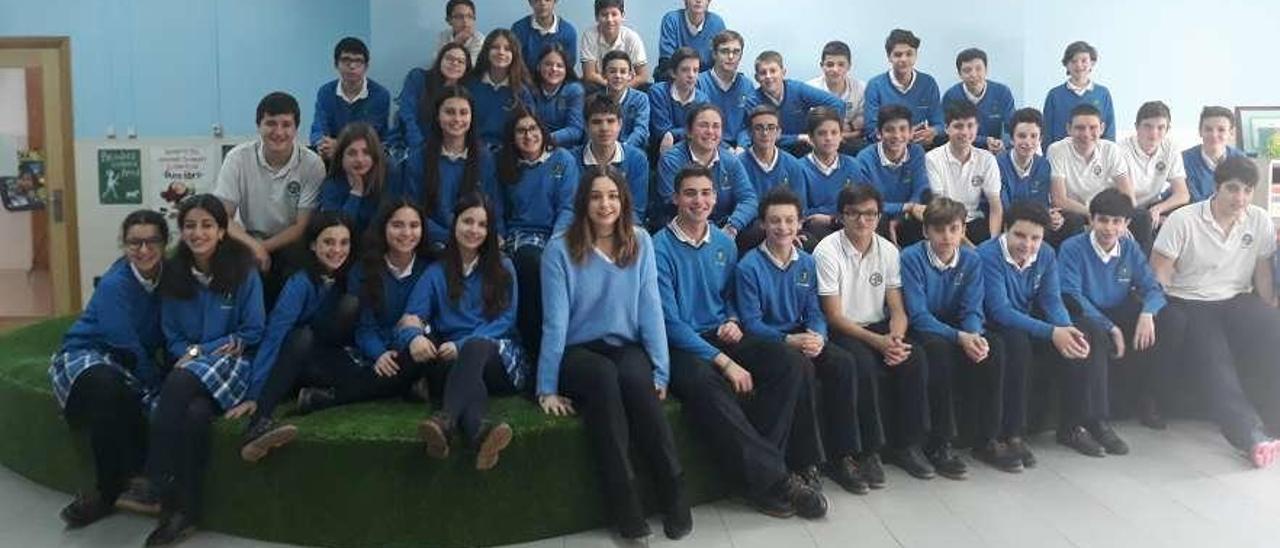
{"x":951,"y":370}
{"x":749,"y":434}
{"x":977,"y":230}
{"x":309,"y":356}
{"x":179,"y":449}
{"x":1083,"y":389}
{"x":837,"y":374}
{"x":1072,"y":224}
{"x":909,"y":231}
{"x":612,"y":388}
{"x":467,"y":383}
{"x":909,"y":385}
{"x":353,"y":382}
{"x":1232,"y":362}
{"x":102,"y":403}
{"x":284,"y":262}
{"x":1141,"y":229}
{"x":528,"y":263}
{"x":1151,"y":366}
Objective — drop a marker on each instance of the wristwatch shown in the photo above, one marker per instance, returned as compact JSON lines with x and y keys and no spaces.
{"x":193,"y":351}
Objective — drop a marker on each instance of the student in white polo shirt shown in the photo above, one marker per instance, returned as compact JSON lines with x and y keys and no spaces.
{"x":1082,"y":164}
{"x":607,"y":35}
{"x":273,"y":184}
{"x":1214,"y":260}
{"x":967,"y":174}
{"x":1155,"y":168}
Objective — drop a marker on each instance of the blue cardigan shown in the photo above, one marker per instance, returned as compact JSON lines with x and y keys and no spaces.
{"x":942,"y":302}
{"x":775,"y":302}
{"x":922,"y":99}
{"x":299,"y":303}
{"x":697,"y":288}
{"x":376,"y":329}
{"x":332,"y":113}
{"x":122,"y":317}
{"x":462,"y":321}
{"x":1099,"y":287}
{"x":542,"y":199}
{"x":210,"y":320}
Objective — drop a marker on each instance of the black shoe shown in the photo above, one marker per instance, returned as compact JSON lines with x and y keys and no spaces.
{"x":809,"y":503}
{"x":420,"y":391}
{"x":434,"y":432}
{"x":635,"y":530}
{"x":173,"y":528}
{"x":1108,"y":439}
{"x":1019,"y":447}
{"x":912,"y":460}
{"x":945,"y":460}
{"x":263,"y":435}
{"x":810,"y":477}
{"x":998,"y":455}
{"x":312,"y":399}
{"x":872,"y":470}
{"x":85,"y":509}
{"x":493,"y":439}
{"x":845,"y":472}
{"x":1149,"y":414}
{"x":677,"y":520}
{"x":1076,"y":437}
{"x":139,"y":498}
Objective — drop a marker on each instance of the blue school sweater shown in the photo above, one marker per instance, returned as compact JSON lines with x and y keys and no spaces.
{"x":332,"y":113}
{"x":1016,"y":188}
{"x":635,"y":166}
{"x":122,"y":317}
{"x":542,"y":199}
{"x":736,"y":199}
{"x":493,"y":109}
{"x":824,"y":189}
{"x":1011,"y":295}
{"x":696,"y":285}
{"x":797,"y":99}
{"x":440,"y":219}
{"x":994,"y":110}
{"x":376,"y":329}
{"x":923,"y":99}
{"x":775,"y":302}
{"x":1057,"y":111}
{"x":1199,"y":174}
{"x":597,"y":300}
{"x":335,"y":195}
{"x":897,"y":184}
{"x":411,"y":129}
{"x":210,"y":319}
{"x":1098,"y":287}
{"x":674,"y":34}
{"x":733,"y":105}
{"x":561,"y":113}
{"x":465,"y":320}
{"x":300,"y":302}
{"x":635,"y":119}
{"x":532,"y":41}
{"x":787,"y":172}
{"x":942,"y":302}
{"x":666,"y":115}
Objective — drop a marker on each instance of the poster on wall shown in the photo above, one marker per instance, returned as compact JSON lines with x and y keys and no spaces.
{"x":180,"y":171}
{"x":119,"y":176}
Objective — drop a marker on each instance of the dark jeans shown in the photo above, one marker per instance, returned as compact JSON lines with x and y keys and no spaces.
{"x":467,"y":383}
{"x":179,"y":449}
{"x":908,"y":398}
{"x":310,"y":356}
{"x":951,"y":371}
{"x":101,"y":403}
{"x":528,"y":263}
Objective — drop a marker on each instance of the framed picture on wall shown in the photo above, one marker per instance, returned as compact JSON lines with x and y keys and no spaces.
{"x":1258,"y":131}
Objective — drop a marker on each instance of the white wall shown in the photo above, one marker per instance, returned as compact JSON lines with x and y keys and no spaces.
{"x":14,"y":226}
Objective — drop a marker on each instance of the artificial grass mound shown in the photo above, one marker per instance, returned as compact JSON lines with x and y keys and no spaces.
{"x":357,"y":475}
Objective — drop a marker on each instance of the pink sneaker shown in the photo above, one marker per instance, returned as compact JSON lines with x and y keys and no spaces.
{"x":1264,"y":453}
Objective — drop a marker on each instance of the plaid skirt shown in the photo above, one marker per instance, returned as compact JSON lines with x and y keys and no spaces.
{"x":66,"y":366}
{"x":523,"y":237}
{"x":514,"y":362}
{"x":225,"y":377}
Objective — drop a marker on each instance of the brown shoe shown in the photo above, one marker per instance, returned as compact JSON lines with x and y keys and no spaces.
{"x":435,"y":431}
{"x":493,"y":439}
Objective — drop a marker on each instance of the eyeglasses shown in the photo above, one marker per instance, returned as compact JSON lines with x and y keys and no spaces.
{"x":729,"y":52}
{"x":351,"y":61}
{"x":869,"y":215}
{"x":526,"y":130}
{"x":136,"y":244}
{"x":764,"y":128}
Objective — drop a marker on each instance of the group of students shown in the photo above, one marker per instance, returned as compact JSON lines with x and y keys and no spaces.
{"x":503,"y":239}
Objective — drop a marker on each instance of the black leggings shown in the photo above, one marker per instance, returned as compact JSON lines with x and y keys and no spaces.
{"x":179,"y":448}
{"x":468,"y":381}
{"x":528,"y":263}
{"x":102,"y":403}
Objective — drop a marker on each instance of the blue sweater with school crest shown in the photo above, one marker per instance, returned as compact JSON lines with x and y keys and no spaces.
{"x":124,"y":318}
{"x":1057,"y":111}
{"x":439,"y":220}
{"x":636,"y":113}
{"x":824,"y":188}
{"x":1014,"y":187}
{"x":376,"y":329}
{"x":942,"y":302}
{"x":666,"y":115}
{"x":776,"y":301}
{"x":1011,"y":295}
{"x":464,"y":320}
{"x":300,"y":302}
{"x":736,"y":199}
{"x":542,"y":199}
{"x":1099,"y":286}
{"x":696,"y":284}
{"x":532,"y":41}
{"x":733,"y":104}
{"x":922,"y":99}
{"x":494,"y":106}
{"x":898,"y":185}
{"x":332,"y":113}
{"x":210,"y":319}
{"x":674,"y":33}
{"x":995,"y":109}
{"x":787,"y":172}
{"x":561,"y":113}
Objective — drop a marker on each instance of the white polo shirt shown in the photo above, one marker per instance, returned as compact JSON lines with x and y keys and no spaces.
{"x":267,"y":201}
{"x":964,"y":182}
{"x":1209,"y":263}
{"x":854,"y":93}
{"x":592,"y":46}
{"x":1151,"y":174}
{"x":860,"y":280}
{"x":1086,"y":177}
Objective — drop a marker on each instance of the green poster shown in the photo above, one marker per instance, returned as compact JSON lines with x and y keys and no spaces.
{"x":119,"y":176}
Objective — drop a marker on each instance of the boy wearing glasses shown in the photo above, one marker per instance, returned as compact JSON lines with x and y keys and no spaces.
{"x":352,"y":97}
{"x":727,"y":88}
{"x":769,"y":167}
{"x":793,"y":100}
{"x":461,"y":17}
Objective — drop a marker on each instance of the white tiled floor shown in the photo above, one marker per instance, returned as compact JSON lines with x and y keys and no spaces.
{"x":1183,"y":487}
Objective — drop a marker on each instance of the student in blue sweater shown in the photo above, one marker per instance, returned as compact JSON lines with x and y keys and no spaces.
{"x":556,"y":96}
{"x":776,"y":290}
{"x":604,"y":350}
{"x":769,"y":167}
{"x":499,"y":82}
{"x":895,"y":167}
{"x":1026,"y":176}
{"x":1107,"y":282}
{"x":1217,"y":126}
{"x":104,"y":374}
{"x":792,"y":98}
{"x":993,"y":99}
{"x":212,"y":317}
{"x":942,"y":285}
{"x":542,"y":28}
{"x":727,"y":88}
{"x":1079,"y":59}
{"x":468,"y":299}
{"x":694,"y":27}
{"x":670,"y":101}
{"x":836,"y":62}
{"x":735,"y":206}
{"x":752,"y":397}
{"x":305,"y":335}
{"x":906,"y":86}
{"x":462,"y":164}
{"x":633,"y":106}
{"x":353,"y":97}
{"x":826,"y":173}
{"x":604,"y":122}
{"x":415,"y":106}
{"x":358,"y":181}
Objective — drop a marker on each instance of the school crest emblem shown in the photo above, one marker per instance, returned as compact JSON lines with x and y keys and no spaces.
{"x":959,"y":279}
{"x":557,"y":171}
{"x":721,"y":260}
{"x":1160,"y":166}
{"x":876,"y":279}
{"x":1124,"y":275}
{"x":803,"y":278}
{"x":977,"y":180}
{"x":294,"y":192}
{"x":1246,"y":241}
{"x":1097,"y":171}
{"x":848,"y":182}
{"x":1035,"y":283}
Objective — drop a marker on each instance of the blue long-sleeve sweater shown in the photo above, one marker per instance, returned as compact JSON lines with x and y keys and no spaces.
{"x":1016,"y":188}
{"x":1098,"y":286}
{"x":736,"y":199}
{"x":1057,"y":111}
{"x":532,"y":41}
{"x":1199,"y":174}
{"x":332,"y":113}
{"x":561,"y":112}
{"x":666,"y":115}
{"x":995,"y":109}
{"x":1011,"y":295}
{"x":494,"y":106}
{"x":733,"y":105}
{"x":440,"y":218}
{"x":411,"y":128}
{"x":923,"y":99}
{"x":674,"y":33}
{"x":774,"y":302}
{"x":300,"y":302}
{"x":635,"y":166}
{"x":542,"y":199}
{"x":598,"y":300}
{"x":793,"y":113}
{"x":899,"y":185}
{"x":697,"y":288}
{"x":210,"y":320}
{"x":824,"y":189}
{"x":786,"y":171}
{"x":376,"y":329}
{"x":465,"y":320}
{"x":122,"y":317}
{"x":943,"y":302}
{"x":335,"y":195}
{"x":635,"y":119}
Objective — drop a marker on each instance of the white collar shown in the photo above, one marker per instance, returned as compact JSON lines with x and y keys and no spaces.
{"x":1136,"y":146}
{"x":901,"y":87}
{"x":975,"y":99}
{"x":693,"y":92}
{"x":767,"y":168}
{"x":398,"y":273}
{"x":454,"y":156}
{"x":782,"y":264}
{"x":622,"y":99}
{"x":1206,"y":214}
{"x":781,"y":96}
{"x":1008,"y":257}
{"x":1212,"y":163}
{"x":1013,"y":160}
{"x":851,"y":249}
{"x":1104,"y":255}
{"x":695,"y":29}
{"x":884,"y":158}
{"x":826,"y":170}
{"x":147,"y":285}
{"x":201,"y":277}
{"x":685,"y":238}
{"x":468,"y":268}
{"x":294,"y":158}
{"x":555,"y":25}
{"x":937,"y":262}
{"x":555,"y":92}
{"x":589,"y":158}
{"x":951,"y":158}
{"x":364,"y":91}
{"x":723,"y":85}
{"x":1080,"y":90}
{"x":531,"y":163}
{"x":715,"y":158}
{"x":495,"y":85}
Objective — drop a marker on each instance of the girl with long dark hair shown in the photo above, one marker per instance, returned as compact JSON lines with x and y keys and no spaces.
{"x":358,"y":176}
{"x":499,"y":82}
{"x":557,"y":96}
{"x":415,"y":112}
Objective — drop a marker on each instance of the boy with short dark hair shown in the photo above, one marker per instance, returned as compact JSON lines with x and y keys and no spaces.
{"x":1217,"y":128}
{"x":461,"y":17}
{"x":694,"y":27}
{"x":1025,"y":175}
{"x":544,"y":27}
{"x":610,"y":34}
{"x":769,"y":167}
{"x":967,"y":174}
{"x":896,"y":168}
{"x":669,"y":101}
{"x":353,"y":97}
{"x":993,"y":99}
{"x":604,"y":123}
{"x":827,"y":171}
{"x":837,"y":79}
{"x":1084,"y":164}
{"x":727,"y":88}
{"x":793,"y":100}
{"x":634,"y":105}
{"x":1155,"y":171}
{"x":903,"y":85}
{"x":1079,"y":89}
